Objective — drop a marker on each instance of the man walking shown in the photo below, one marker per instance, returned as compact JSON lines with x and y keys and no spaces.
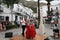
{"x":23,"y":23}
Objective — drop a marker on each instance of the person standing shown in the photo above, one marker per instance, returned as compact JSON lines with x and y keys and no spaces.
{"x":35,"y":23}
{"x":23,"y":23}
{"x":56,"y":21}
{"x":30,"y":30}
{"x":4,"y":27}
{"x":52,"y":23}
{"x":0,"y":26}
{"x":57,"y":13}
{"x":56,"y":31}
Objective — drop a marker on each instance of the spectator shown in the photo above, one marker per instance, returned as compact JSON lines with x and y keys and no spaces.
{"x":0,"y":26}
{"x":55,"y":28}
{"x":4,"y":27}
{"x":23,"y":23}
{"x":52,"y":22}
{"x":57,"y":13}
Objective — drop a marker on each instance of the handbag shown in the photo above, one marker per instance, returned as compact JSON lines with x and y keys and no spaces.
{"x":8,"y":34}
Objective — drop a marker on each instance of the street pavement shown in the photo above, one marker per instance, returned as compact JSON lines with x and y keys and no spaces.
{"x":18,"y":31}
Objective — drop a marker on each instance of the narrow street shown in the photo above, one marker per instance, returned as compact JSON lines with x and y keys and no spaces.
{"x":17,"y":32}
{"x":17,"y":13}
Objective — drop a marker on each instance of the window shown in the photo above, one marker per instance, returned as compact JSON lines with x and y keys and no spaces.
{"x":1,"y":18}
{"x":16,"y":18}
{"x":7,"y":18}
{"x":20,"y":10}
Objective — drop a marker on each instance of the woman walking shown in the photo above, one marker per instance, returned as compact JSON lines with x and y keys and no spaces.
{"x":30,"y":30}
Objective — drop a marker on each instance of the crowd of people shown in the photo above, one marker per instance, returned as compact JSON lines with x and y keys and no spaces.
{"x":25,"y":24}
{"x":54,"y":24}
{"x":54,"y":21}
{"x":4,"y":25}
{"x":30,"y":24}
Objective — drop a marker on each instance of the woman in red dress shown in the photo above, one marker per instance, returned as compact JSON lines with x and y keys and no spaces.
{"x":30,"y":30}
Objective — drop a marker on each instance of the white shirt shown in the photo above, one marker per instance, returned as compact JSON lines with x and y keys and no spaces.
{"x":53,"y":17}
{"x":54,"y":27}
{"x":23,"y":22}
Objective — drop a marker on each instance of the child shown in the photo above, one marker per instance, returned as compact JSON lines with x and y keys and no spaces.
{"x":30,"y":30}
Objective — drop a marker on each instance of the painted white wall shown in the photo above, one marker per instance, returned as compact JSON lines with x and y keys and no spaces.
{"x":44,"y":9}
{"x":13,"y":17}
{"x":7,"y":11}
{"x":18,"y":18}
{"x":4,"y":14}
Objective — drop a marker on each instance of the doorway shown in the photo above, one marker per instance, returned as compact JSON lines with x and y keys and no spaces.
{"x":7,"y":18}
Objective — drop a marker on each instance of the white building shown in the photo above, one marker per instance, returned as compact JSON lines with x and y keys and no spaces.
{"x":53,"y":5}
{"x":5,"y":14}
{"x":24,"y":11}
{"x":18,"y":11}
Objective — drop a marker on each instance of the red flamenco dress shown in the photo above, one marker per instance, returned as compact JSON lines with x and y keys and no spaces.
{"x":30,"y":31}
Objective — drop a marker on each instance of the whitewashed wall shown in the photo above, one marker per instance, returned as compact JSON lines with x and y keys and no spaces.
{"x":9,"y":15}
{"x":7,"y":11}
{"x":44,"y":9}
{"x":4,"y":14}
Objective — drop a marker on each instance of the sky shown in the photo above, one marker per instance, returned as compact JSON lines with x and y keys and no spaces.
{"x":52,"y":3}
{"x":43,"y":0}
{"x":55,"y":2}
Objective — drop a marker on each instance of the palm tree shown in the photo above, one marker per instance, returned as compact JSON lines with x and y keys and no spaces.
{"x":1,"y":1}
{"x":48,"y":12}
{"x":10,"y":4}
{"x":48,"y":4}
{"x":38,"y":13}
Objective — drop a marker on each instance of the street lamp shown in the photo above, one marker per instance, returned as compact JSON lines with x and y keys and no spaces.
{"x":48,"y":8}
{"x":48,"y":4}
{"x":48,"y":12}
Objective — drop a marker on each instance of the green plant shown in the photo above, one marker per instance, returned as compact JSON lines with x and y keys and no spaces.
{"x":10,"y":2}
{"x":11,"y":27}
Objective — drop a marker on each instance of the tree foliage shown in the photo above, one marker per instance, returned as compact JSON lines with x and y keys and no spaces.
{"x":49,"y":0}
{"x":1,"y":1}
{"x":10,"y":2}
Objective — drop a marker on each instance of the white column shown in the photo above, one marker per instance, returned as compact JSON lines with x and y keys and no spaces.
{"x":41,"y":27}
